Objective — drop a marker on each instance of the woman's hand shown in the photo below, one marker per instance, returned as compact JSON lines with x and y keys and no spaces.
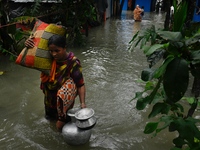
{"x":81,"y":93}
{"x":83,"y":105}
{"x":29,"y":43}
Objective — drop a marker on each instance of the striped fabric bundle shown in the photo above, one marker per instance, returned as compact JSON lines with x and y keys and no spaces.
{"x":39,"y":57}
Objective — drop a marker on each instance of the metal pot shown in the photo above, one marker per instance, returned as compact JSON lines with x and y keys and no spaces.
{"x":72,"y":134}
{"x":86,"y":124}
{"x":84,"y":114}
{"x":71,"y":113}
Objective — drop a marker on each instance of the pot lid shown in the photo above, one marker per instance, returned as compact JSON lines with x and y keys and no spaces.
{"x":84,"y":113}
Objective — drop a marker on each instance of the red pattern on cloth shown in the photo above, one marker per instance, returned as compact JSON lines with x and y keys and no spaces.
{"x":65,"y":98}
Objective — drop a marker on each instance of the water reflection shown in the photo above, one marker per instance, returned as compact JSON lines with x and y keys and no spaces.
{"x":136,"y":27}
{"x":111,"y":74}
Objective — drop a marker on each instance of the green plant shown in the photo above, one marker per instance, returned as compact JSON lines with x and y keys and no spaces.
{"x":14,"y":37}
{"x":10,"y":36}
{"x":75,"y":15}
{"x":174,"y":57}
{"x":35,"y":8}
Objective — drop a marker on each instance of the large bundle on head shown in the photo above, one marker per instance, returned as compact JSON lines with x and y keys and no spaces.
{"x":39,"y":57}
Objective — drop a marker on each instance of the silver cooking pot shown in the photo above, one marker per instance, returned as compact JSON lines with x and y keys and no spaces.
{"x":85,"y":118}
{"x":84,"y":113}
{"x":86,"y":124}
{"x":72,"y":134}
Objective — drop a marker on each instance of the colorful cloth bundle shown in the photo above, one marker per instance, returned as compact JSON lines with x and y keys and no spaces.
{"x":39,"y":57}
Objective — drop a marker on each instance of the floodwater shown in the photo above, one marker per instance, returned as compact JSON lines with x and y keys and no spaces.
{"x":111,"y":74}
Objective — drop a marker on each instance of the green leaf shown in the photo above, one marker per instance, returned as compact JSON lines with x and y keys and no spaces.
{"x":174,"y":48}
{"x":24,"y":19}
{"x":153,"y":48}
{"x":170,"y":36}
{"x":176,"y":79}
{"x":196,"y":140}
{"x":147,"y":74}
{"x":138,"y":41}
{"x":143,"y":42}
{"x":142,"y":102}
{"x":12,"y":57}
{"x":138,"y":95}
{"x":193,"y":40}
{"x":190,"y":100}
{"x":157,"y":98}
{"x":155,"y":57}
{"x":161,"y":70}
{"x":167,"y":121}
{"x":18,"y":35}
{"x":172,"y":127}
{"x":195,"y":56}
{"x":149,"y":86}
{"x":150,"y":127}
{"x":180,"y":14}
{"x":180,"y":107}
{"x":186,"y":128}
{"x":153,"y":94}
{"x":157,"y":108}
{"x":179,"y":142}
{"x":133,"y":37}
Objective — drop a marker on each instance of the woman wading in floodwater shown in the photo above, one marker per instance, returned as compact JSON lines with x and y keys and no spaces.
{"x":64,"y":83}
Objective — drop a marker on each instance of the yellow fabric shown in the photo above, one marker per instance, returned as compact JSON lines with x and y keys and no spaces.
{"x":44,"y":77}
{"x":43,"y":44}
{"x":38,"y":57}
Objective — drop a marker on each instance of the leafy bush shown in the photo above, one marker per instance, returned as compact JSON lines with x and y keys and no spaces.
{"x":173,"y":58}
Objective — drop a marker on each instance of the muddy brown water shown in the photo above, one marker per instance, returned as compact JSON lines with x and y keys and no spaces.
{"x":111,"y":74}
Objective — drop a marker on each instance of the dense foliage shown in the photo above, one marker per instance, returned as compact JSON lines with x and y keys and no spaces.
{"x":174,"y":59}
{"x":75,"y":15}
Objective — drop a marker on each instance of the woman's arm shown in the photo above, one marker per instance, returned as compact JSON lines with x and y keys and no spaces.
{"x":81,"y":93}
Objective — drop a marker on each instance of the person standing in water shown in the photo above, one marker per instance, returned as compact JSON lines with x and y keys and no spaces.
{"x":64,"y":84}
{"x":137,"y":13}
{"x":101,"y":7}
